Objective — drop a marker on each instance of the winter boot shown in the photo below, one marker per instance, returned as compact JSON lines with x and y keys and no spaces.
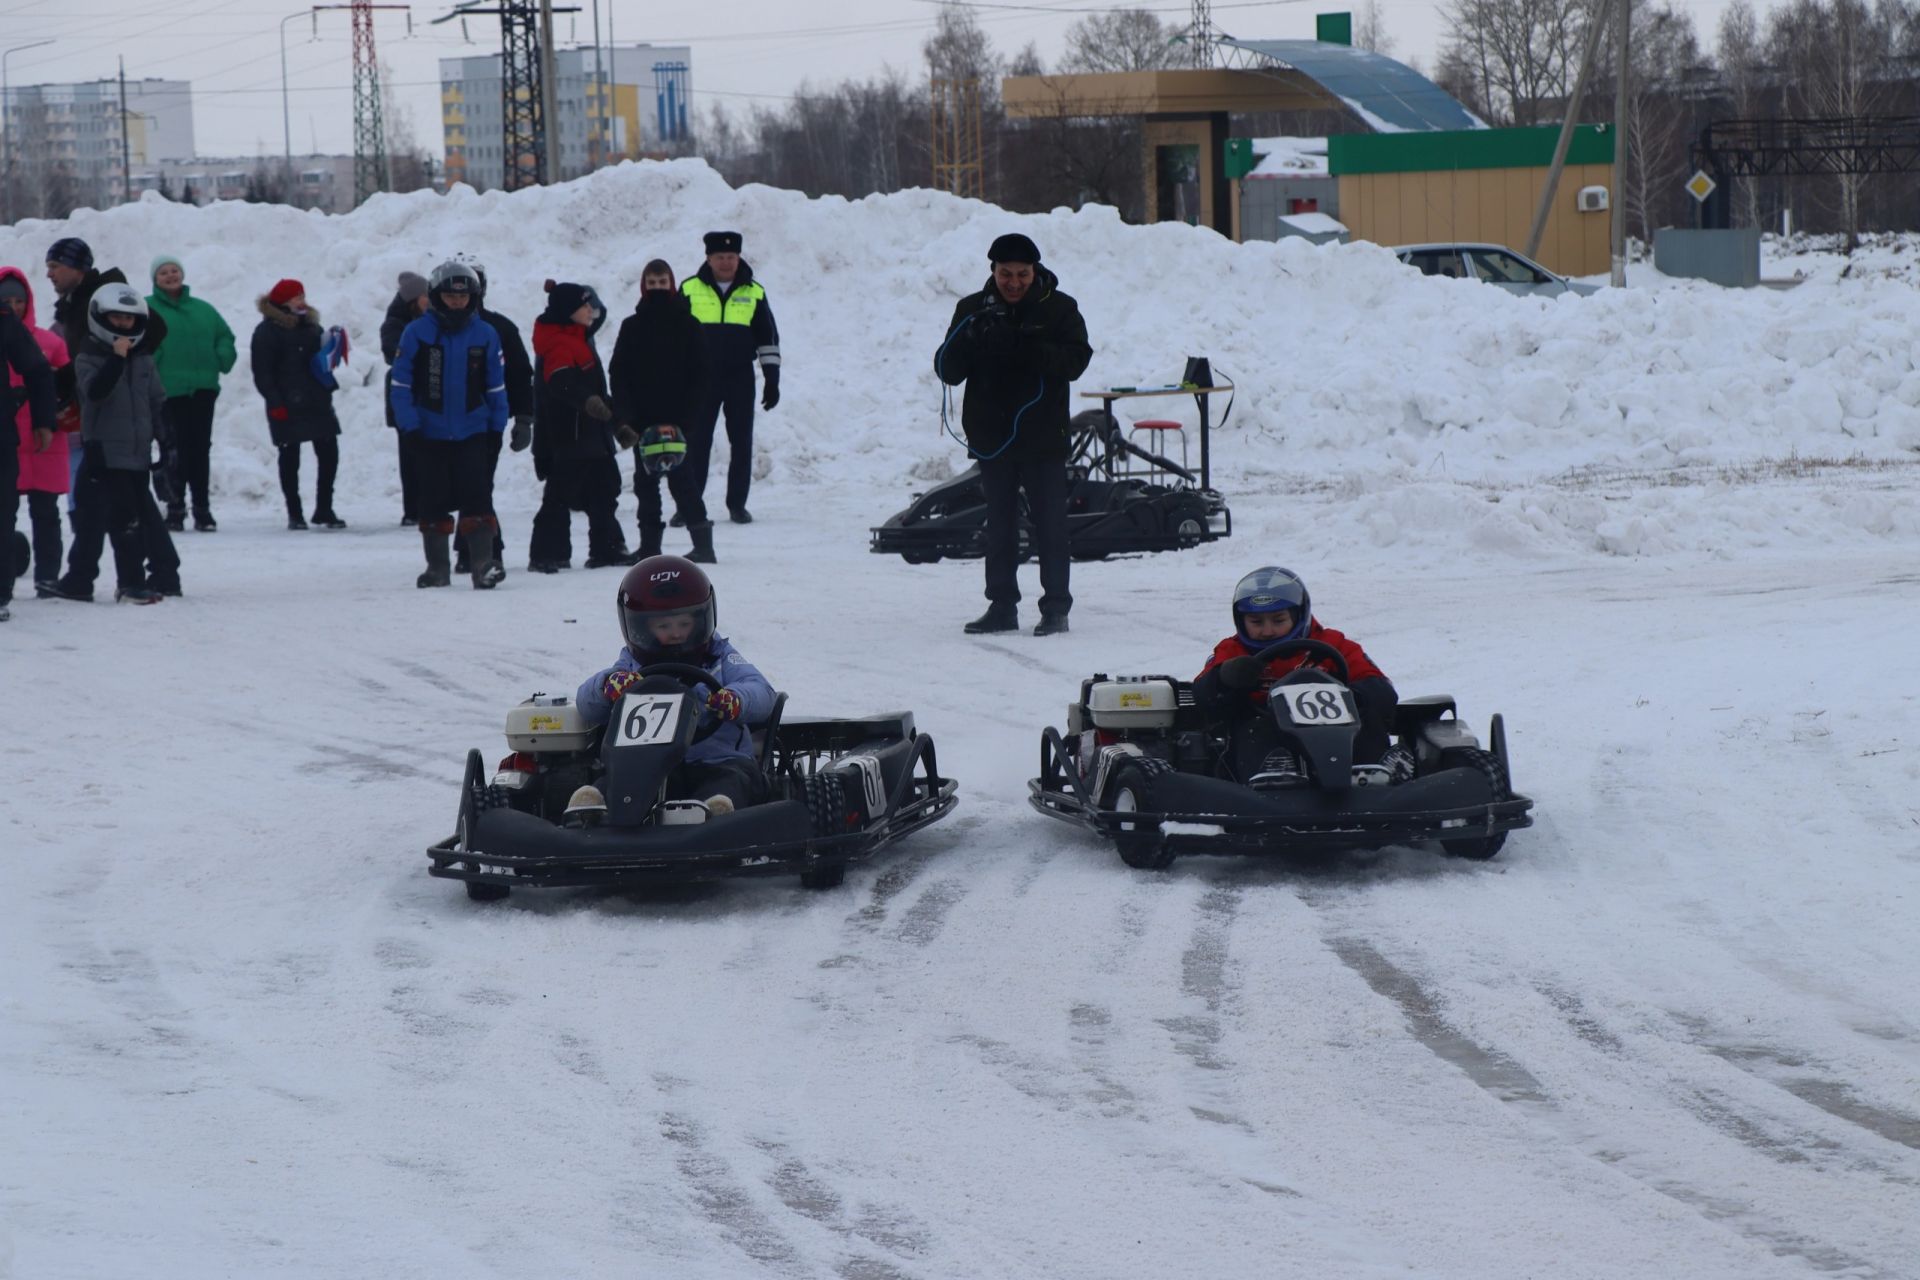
{"x":477,"y":533}
{"x":1051,"y":624}
{"x":702,"y":534}
{"x":439,"y":568}
{"x":1000,"y":616}
{"x":650,"y":535}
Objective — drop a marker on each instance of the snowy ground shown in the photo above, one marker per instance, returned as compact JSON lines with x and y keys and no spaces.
{"x":1671,"y":1031}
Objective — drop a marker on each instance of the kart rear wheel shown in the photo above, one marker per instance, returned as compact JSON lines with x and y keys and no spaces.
{"x":1477,"y":848}
{"x":920,"y":557}
{"x":480,"y":892}
{"x":1130,"y":790}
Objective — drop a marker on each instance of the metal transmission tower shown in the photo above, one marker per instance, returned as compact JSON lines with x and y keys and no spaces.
{"x":1202,"y":33}
{"x":526,"y":87}
{"x":371,"y":169}
{"x":958,"y":158}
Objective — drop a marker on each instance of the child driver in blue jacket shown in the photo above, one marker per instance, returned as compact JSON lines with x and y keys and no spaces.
{"x":667,"y":615}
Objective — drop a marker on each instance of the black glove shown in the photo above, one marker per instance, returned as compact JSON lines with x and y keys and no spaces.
{"x":625,"y":436}
{"x":770,"y":393}
{"x":597,"y":409}
{"x":1241,"y":673}
{"x":522,"y":434}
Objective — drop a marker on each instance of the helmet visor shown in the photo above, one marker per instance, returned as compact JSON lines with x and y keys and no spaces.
{"x":668,"y":633}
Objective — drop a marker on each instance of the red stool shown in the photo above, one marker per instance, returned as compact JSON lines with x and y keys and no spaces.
{"x":1160,"y":426}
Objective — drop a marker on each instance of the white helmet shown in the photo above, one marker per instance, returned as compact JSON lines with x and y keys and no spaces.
{"x":116,"y":299}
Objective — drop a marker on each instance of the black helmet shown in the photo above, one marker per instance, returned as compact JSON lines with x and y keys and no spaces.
{"x":454,"y":276}
{"x":660,"y":590}
{"x":116,"y":299}
{"x":661,"y":449}
{"x":1269,"y":590}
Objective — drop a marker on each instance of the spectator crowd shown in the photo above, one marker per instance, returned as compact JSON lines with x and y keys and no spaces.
{"x":114,"y":403}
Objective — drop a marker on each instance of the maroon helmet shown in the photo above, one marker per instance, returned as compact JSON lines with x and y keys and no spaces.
{"x":654,"y":597}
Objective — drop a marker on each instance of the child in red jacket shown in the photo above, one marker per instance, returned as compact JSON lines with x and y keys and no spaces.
{"x":1270,"y":605}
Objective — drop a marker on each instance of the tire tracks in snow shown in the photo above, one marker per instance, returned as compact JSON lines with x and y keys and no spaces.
{"x":1502,"y":1076}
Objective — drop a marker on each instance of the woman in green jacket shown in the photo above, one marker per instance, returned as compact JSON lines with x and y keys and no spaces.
{"x":197,"y":350}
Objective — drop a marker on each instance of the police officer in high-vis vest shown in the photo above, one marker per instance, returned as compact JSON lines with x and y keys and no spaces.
{"x":737,"y":325}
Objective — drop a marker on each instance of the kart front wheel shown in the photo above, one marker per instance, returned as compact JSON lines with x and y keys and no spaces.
{"x":1140,"y":846}
{"x":480,"y":892}
{"x":830,"y":876}
{"x":1477,"y":848}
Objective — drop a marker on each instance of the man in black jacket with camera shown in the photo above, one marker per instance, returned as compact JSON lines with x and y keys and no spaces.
{"x":1018,"y":344}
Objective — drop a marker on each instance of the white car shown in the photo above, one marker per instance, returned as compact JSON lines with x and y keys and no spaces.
{"x":1495,"y":264}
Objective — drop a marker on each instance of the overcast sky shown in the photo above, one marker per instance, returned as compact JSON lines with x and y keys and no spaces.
{"x":744,"y":51}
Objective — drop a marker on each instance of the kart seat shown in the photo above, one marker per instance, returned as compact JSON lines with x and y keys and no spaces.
{"x":1159,"y":427}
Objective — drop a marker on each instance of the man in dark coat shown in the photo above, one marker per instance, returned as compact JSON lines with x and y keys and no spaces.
{"x":21,"y":354}
{"x":1018,"y":344}
{"x":658,"y":371}
{"x":739,"y":329}
{"x":409,"y":304}
{"x":294,"y":376}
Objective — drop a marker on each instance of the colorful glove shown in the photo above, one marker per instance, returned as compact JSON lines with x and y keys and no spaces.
{"x":1241,"y":673}
{"x":522,"y":434}
{"x":726,"y":704}
{"x":770,"y":395}
{"x":618,"y":683}
{"x":277,"y":413}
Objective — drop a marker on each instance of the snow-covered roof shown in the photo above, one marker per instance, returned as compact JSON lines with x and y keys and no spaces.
{"x":1389,"y":95}
{"x":1313,"y":224}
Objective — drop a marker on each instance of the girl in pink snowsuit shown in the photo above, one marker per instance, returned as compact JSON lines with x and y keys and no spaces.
{"x":43,"y":475}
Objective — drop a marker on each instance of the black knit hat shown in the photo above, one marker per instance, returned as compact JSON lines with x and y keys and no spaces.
{"x":1013,"y":247}
{"x":71,"y":251}
{"x":722,"y":242}
{"x":563,"y":299}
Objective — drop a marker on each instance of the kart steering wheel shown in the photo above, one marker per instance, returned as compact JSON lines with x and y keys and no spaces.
{"x":1317,"y":648}
{"x":688,"y":674}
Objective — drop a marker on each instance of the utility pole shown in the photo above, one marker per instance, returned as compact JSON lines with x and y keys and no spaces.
{"x":958,"y":159}
{"x":6,"y":129}
{"x":526,"y":114}
{"x":556,"y":132}
{"x":126,"y":166}
{"x":370,"y":170}
{"x":1202,"y":35}
{"x":596,"y":129}
{"x":1567,"y":126}
{"x":1622,"y":51}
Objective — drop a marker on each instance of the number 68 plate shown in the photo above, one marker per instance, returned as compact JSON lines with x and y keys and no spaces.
{"x":1317,"y":704}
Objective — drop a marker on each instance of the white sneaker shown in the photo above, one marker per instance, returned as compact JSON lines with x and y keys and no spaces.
{"x":1372,"y":775}
{"x":585,"y":807}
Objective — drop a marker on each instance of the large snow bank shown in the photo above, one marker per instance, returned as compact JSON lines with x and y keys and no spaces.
{"x":1437,"y":411}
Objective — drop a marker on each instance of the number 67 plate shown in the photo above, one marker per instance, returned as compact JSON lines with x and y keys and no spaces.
{"x":647,"y":719}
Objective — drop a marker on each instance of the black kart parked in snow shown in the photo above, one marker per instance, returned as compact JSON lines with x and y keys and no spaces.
{"x":1139,"y":765}
{"x":840,"y":789}
{"x":1120,"y":498}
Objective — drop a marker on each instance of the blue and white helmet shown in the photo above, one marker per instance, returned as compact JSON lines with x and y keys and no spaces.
{"x":1270,"y":589}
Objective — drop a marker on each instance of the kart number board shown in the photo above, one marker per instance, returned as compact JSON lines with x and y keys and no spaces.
{"x":1317,"y":704}
{"x":647,"y":719}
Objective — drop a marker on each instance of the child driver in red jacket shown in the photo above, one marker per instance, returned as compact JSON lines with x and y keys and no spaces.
{"x":1269,"y":605}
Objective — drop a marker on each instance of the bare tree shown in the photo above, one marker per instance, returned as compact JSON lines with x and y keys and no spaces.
{"x":1122,"y":40}
{"x":1519,"y":54}
{"x":1741,"y":61}
{"x":1839,"y":61}
{"x":1370,"y":30}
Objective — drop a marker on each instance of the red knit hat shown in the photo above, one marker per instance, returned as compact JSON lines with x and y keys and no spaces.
{"x":284,"y":292}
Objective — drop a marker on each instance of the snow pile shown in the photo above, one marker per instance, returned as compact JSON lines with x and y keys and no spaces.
{"x":1436,"y":411}
{"x":1290,"y":158}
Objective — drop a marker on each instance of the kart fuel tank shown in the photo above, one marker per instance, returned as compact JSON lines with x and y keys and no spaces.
{"x":548,"y":723}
